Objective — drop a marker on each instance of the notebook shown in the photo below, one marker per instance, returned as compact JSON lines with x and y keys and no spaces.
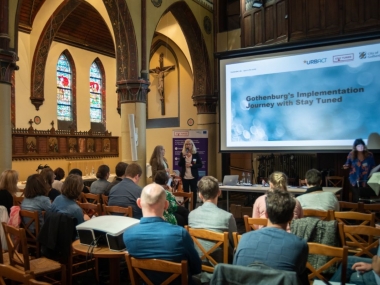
{"x":230,"y":180}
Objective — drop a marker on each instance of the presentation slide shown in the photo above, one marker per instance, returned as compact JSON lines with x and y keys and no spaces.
{"x":310,"y":100}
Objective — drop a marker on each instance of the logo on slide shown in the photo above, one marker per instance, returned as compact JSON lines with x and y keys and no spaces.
{"x":343,"y":57}
{"x":362,"y":55}
{"x":315,"y":61}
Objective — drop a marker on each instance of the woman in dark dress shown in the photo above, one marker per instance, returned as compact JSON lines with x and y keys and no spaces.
{"x":8,"y":188}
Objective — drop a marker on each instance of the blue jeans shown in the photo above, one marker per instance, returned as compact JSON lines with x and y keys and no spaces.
{"x":366,"y":278}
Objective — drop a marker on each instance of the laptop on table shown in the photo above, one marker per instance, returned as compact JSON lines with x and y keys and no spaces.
{"x":230,"y":180}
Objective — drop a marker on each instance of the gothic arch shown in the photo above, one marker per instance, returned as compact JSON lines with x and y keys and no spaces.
{"x":104,"y":90}
{"x":197,"y":47}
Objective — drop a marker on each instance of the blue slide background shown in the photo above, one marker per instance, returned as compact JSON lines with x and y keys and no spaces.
{"x":358,"y":115}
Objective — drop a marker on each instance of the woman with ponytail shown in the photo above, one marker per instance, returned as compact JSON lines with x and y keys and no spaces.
{"x":277,"y":181}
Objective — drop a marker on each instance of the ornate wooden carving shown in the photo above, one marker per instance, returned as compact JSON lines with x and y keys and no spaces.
{"x":206,"y":104}
{"x":30,"y":144}
{"x":131,"y":91}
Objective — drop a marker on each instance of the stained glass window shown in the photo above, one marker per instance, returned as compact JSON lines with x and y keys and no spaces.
{"x":64,"y":89}
{"x":95,"y":94}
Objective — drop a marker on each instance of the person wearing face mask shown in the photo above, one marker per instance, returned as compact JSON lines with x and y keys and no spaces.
{"x":360,"y":162}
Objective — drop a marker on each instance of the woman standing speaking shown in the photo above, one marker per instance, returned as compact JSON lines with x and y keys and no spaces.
{"x":190,"y":162}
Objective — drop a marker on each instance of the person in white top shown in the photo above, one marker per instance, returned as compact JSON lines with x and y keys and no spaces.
{"x":315,"y":198}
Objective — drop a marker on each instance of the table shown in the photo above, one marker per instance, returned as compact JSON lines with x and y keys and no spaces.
{"x":104,"y":252}
{"x":261,"y":189}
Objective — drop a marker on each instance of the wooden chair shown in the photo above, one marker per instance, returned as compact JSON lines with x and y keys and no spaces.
{"x":91,"y":198}
{"x":349,"y":206}
{"x":220,"y":239}
{"x":105,"y":199}
{"x":339,"y":255}
{"x":334,"y":181}
{"x":236,"y":237}
{"x":322,"y":215}
{"x":302,"y":182}
{"x":40,"y":266}
{"x":352,"y":237}
{"x":250,"y":223}
{"x":371,"y":208}
{"x":187,"y":197}
{"x":29,"y":218}
{"x":12,"y":273}
{"x":17,"y":200}
{"x":125,"y":211}
{"x":136,"y":267}
{"x":91,"y":209}
{"x":354,"y":218}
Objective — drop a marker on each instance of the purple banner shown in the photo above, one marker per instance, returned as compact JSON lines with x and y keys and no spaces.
{"x":200,"y":139}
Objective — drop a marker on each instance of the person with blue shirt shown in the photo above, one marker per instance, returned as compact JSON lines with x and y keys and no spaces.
{"x":156,"y":238}
{"x":360,"y":162}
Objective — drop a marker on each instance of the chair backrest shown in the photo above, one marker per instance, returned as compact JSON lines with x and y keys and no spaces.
{"x":136,"y":267}
{"x":334,"y":181}
{"x":12,"y":273}
{"x":322,"y":215}
{"x":31,"y":224}
{"x":250,"y":223}
{"x":91,"y":209}
{"x":105,"y":199}
{"x":91,"y":198}
{"x":339,"y":254}
{"x":17,"y":246}
{"x":352,"y":237}
{"x":126,"y":211}
{"x":302,"y":182}
{"x":370,"y":208}
{"x":236,"y":237}
{"x":220,"y":239}
{"x":348,"y":206}
{"x":17,"y":200}
{"x":187,"y":197}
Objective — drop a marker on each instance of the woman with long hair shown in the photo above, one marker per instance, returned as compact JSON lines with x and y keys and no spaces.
{"x":47,"y":174}
{"x":360,"y":162}
{"x":8,"y":188}
{"x":190,"y":161}
{"x":158,"y":161}
{"x":59,"y":175}
{"x":100,"y":186}
{"x":36,"y":198}
{"x":277,"y":181}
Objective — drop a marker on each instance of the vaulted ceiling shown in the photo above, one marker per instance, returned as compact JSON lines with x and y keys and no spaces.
{"x":83,"y":28}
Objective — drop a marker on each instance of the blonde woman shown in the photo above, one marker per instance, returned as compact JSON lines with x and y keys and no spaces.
{"x":190,"y":161}
{"x":158,"y":161}
{"x":8,"y":188}
{"x":277,"y":181}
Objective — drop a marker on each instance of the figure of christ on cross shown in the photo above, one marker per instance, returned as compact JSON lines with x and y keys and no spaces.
{"x":160,"y":73}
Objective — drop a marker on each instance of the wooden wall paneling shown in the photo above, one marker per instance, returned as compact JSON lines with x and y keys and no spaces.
{"x":297,"y":19}
{"x":258,"y":27}
{"x":247,"y":31}
{"x":281,"y":21}
{"x":269,"y":23}
{"x":361,"y":15}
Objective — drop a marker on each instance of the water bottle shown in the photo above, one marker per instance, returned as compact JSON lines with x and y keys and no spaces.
{"x":243,"y":178}
{"x":249,"y":178}
{"x":92,"y":171}
{"x":263,"y":182}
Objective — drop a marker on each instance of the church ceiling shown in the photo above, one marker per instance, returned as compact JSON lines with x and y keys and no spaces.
{"x":83,"y":28}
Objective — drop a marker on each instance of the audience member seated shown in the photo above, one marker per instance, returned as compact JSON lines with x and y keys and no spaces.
{"x":47,"y":174}
{"x":361,"y":270}
{"x":272,"y":245}
{"x":175,"y":214}
{"x":209,"y":216}
{"x":65,"y":203}
{"x":277,"y":181}
{"x":126,"y":192}
{"x":77,"y":171}
{"x":100,"y":185}
{"x":156,"y":238}
{"x":36,"y":199}
{"x":314,"y":197}
{"x":8,"y":188}
{"x":59,"y":175}
{"x":120,"y":175}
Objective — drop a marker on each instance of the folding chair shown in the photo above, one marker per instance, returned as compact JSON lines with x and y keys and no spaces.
{"x":136,"y":267}
{"x":251,"y":223}
{"x":220,"y":239}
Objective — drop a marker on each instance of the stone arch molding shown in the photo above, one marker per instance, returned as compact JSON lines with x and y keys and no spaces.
{"x":126,"y":51}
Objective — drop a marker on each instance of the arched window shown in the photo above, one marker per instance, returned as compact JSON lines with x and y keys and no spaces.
{"x":66,"y":111}
{"x":97,"y":96}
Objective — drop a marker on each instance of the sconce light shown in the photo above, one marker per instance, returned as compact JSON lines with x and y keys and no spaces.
{"x":257,"y":3}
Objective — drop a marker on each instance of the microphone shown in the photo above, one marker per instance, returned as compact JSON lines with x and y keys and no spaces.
{"x":187,"y":150}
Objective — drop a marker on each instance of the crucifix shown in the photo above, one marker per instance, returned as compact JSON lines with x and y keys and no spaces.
{"x":160,"y":73}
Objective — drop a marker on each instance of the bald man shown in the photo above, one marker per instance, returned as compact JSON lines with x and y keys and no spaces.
{"x":156,"y":238}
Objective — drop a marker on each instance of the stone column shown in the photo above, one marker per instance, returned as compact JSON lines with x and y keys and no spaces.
{"x":133,"y":94}
{"x":206,"y":109}
{"x":8,"y":60}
